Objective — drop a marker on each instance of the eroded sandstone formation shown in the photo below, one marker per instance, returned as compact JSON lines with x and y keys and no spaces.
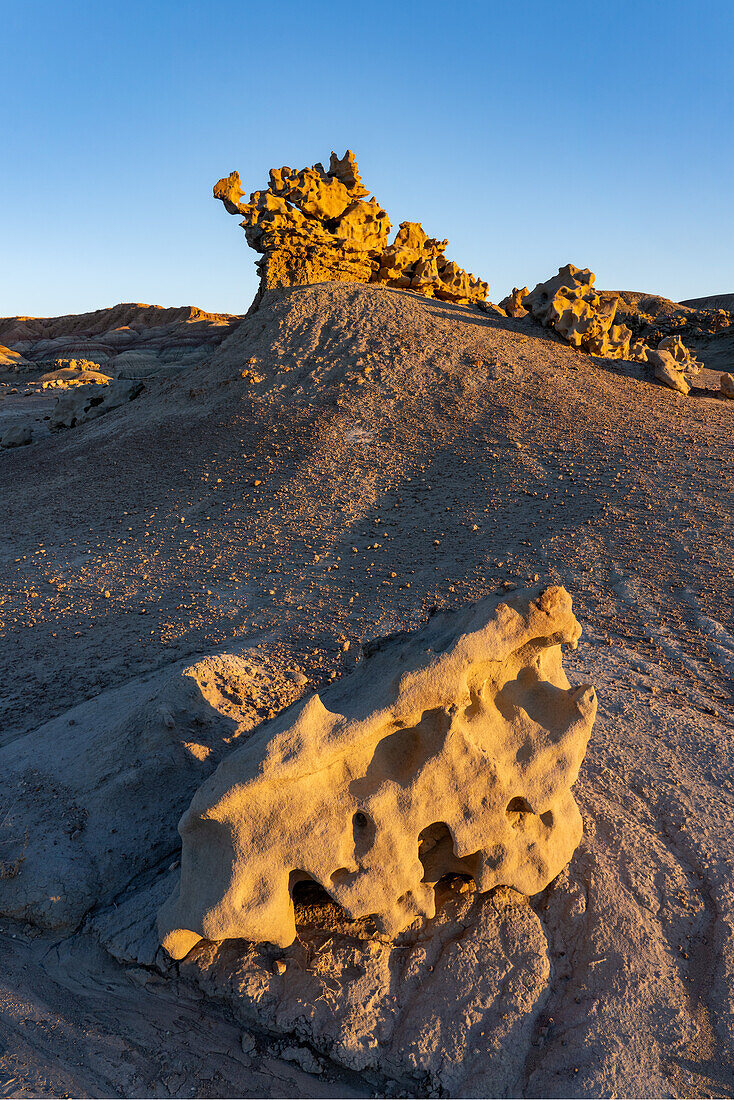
{"x":450,"y":751}
{"x":569,"y":303}
{"x":585,"y":317}
{"x":67,"y":373}
{"x":675,"y":347}
{"x":513,"y":303}
{"x":316,"y":225}
{"x":672,"y":363}
{"x":667,"y":370}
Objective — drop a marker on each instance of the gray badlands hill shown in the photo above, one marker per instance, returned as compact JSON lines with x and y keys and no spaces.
{"x":713,"y":301}
{"x":175,"y":573}
{"x":152,"y":332}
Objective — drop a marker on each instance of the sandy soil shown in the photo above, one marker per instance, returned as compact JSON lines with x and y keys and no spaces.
{"x":398,"y":454}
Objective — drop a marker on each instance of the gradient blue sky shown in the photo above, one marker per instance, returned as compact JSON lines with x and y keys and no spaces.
{"x":529,"y":134}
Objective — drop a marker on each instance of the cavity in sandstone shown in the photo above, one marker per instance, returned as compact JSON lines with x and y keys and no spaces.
{"x":315,"y":225}
{"x":452,"y":750}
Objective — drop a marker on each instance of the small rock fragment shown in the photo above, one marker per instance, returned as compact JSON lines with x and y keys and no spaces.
{"x":17,"y":436}
{"x":303,"y":1058}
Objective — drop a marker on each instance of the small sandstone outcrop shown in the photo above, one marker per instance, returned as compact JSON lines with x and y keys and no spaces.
{"x":673,"y":364}
{"x":726,"y":384}
{"x":513,"y":303}
{"x":67,"y":373}
{"x":315,"y":226}
{"x":667,"y":370}
{"x":449,"y":751}
{"x":675,"y":347}
{"x":584,"y":316}
{"x":638,"y":351}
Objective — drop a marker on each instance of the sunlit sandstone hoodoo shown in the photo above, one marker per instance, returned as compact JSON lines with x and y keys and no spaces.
{"x":316,"y":225}
{"x":450,"y":751}
{"x":583,"y":315}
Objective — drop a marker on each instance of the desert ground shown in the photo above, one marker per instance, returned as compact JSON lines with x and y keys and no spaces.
{"x":287,"y":488}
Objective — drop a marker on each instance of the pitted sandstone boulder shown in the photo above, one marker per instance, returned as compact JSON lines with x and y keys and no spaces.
{"x":668,"y":371}
{"x":584,"y":316}
{"x":314,"y":226}
{"x":681,"y":354}
{"x":452,"y":750}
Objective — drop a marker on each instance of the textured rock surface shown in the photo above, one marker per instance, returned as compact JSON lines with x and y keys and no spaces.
{"x":417,"y":262}
{"x":17,"y":436}
{"x":667,"y":370}
{"x":675,"y":347}
{"x":90,"y":401}
{"x":451,"y":751}
{"x":315,"y":226}
{"x":450,"y":1005}
{"x":727,"y":385}
{"x":513,"y":303}
{"x":584,"y":316}
{"x":98,"y":792}
{"x":638,"y":351}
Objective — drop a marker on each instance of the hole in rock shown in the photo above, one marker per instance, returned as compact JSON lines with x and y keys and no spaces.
{"x":316,"y":913}
{"x":438,"y":856}
{"x":517,"y":810}
{"x":363,"y":829}
{"x":306,"y":891}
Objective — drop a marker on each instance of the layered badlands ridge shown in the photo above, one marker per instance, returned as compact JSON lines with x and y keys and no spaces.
{"x":123,"y":335}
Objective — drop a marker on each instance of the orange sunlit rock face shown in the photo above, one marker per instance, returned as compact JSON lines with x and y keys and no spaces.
{"x":316,"y":226}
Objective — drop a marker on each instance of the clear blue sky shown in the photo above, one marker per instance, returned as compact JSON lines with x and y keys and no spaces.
{"x":530,"y":134}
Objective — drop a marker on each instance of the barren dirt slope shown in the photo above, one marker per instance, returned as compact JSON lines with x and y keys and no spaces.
{"x":385,"y":454}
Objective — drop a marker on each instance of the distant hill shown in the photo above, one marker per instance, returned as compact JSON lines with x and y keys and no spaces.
{"x":713,"y":301}
{"x":128,"y":327}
